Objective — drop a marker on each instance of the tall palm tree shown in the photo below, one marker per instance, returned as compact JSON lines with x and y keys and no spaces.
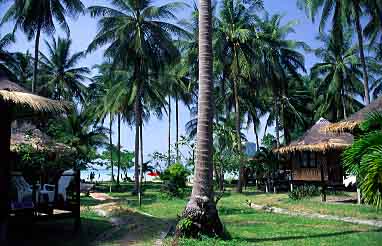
{"x":201,"y":209}
{"x":344,"y":12}
{"x":180,"y":87}
{"x":140,"y":38}
{"x":34,"y":16}
{"x":281,"y":62}
{"x":339,"y":79}
{"x":62,"y":79}
{"x":235,"y":32}
{"x":99,"y":98}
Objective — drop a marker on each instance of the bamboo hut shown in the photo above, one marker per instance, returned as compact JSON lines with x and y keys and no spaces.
{"x":315,"y":157}
{"x":351,"y":124}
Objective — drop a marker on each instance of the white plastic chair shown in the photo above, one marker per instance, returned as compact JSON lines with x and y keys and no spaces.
{"x":63,"y":183}
{"x":24,"y":190}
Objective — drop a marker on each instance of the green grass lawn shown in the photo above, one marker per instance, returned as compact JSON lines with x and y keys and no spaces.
{"x":250,"y":227}
{"x":314,"y":205}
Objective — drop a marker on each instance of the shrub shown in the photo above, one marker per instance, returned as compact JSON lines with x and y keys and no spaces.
{"x":175,"y":179}
{"x":305,"y":191}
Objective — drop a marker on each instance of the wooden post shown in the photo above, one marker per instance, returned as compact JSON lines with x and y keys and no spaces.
{"x":323,"y":184}
{"x":77,"y":207}
{"x":5,"y":153}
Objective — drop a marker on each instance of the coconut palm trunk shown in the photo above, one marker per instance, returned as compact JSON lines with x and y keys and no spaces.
{"x":177,"y":125}
{"x":119,"y":147}
{"x":36,"y":50}
{"x":357,"y":10}
{"x":169,"y":132}
{"x":136,"y":157}
{"x":140,"y":163}
{"x":201,"y":208}
{"x":5,"y":143}
{"x":277,"y":123}
{"x":111,"y":146}
{"x":240,"y":183}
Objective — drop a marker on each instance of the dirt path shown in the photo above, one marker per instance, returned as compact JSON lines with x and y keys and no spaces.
{"x":376,"y":223}
{"x":101,"y":196}
{"x":130,"y":227}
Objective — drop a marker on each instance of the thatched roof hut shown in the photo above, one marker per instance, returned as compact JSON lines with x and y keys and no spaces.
{"x":13,"y":94}
{"x":353,"y":121}
{"x":315,"y":140}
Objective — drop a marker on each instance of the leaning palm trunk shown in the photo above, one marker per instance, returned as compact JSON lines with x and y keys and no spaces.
{"x":201,"y":209}
{"x":361,"y":50}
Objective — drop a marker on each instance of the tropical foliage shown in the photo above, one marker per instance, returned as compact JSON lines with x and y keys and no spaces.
{"x":364,"y":159}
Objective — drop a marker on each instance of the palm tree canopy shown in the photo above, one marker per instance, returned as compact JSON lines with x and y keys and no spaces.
{"x":30,"y":14}
{"x":61,"y":77}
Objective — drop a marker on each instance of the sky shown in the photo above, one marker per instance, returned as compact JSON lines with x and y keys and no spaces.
{"x":155,"y":132}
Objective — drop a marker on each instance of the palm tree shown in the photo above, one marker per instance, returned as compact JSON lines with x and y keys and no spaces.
{"x":78,"y":132}
{"x":364,"y":159}
{"x":343,"y":12}
{"x":5,"y":56}
{"x":139,"y":38}
{"x":22,"y":68}
{"x":373,"y":29}
{"x":62,"y":80}
{"x":281,"y":62}
{"x":34,"y":16}
{"x":339,"y":79}
{"x":180,"y":87}
{"x":201,"y":209}
{"x":99,"y":98}
{"x":235,"y":33}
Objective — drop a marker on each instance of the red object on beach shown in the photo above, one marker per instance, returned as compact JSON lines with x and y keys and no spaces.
{"x":153,"y":174}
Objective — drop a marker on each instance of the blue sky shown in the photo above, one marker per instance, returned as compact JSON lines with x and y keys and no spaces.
{"x":84,"y":29}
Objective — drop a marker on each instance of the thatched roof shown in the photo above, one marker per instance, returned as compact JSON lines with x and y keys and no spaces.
{"x":28,"y":134}
{"x":12,"y":93}
{"x":353,"y":121}
{"x":315,"y":140}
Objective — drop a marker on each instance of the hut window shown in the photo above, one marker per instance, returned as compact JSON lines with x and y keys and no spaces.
{"x":318,"y":160}
{"x":305,"y":162}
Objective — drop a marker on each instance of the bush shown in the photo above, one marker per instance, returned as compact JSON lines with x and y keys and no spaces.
{"x":305,"y":191}
{"x":175,"y":179}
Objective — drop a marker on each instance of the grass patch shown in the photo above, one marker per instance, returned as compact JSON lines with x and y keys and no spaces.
{"x":314,"y":205}
{"x":250,"y":227}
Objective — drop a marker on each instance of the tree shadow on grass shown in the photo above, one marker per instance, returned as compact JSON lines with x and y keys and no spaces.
{"x":132,"y":227}
{"x":286,"y":238}
{"x":55,"y":232}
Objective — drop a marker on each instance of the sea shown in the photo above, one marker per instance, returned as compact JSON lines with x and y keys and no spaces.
{"x":102,"y":174}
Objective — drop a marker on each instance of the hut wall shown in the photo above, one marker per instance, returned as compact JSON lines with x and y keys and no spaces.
{"x":308,"y":169}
